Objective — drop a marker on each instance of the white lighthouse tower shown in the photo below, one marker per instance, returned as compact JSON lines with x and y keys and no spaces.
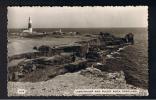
{"x":30,"y":25}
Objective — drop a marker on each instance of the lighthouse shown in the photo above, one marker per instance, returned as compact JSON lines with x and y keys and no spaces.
{"x":30,"y":25}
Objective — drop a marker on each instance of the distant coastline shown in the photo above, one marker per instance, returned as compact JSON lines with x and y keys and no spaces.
{"x":73,"y":29}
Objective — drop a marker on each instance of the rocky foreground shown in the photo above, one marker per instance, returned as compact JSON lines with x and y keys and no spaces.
{"x":64,"y":85}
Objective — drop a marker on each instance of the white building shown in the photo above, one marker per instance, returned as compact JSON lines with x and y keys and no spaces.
{"x":29,"y":30}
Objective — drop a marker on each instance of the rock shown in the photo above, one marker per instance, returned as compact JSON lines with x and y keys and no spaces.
{"x":44,"y":48}
{"x":102,"y":67}
{"x":120,"y":49}
{"x":76,"y":66}
{"x":117,"y":76}
{"x":93,"y":55}
{"x":92,"y":72}
{"x":109,"y":56}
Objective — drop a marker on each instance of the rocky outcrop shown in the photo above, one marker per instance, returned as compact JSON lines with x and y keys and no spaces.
{"x":88,"y":51}
{"x":29,"y":65}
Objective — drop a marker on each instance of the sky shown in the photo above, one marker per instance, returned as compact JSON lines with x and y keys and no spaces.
{"x":78,"y":17}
